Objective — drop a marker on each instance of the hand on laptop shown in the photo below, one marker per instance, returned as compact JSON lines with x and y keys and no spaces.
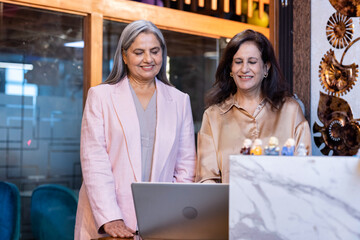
{"x":118,"y":228}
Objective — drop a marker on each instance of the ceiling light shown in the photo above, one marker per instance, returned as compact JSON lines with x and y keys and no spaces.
{"x":78,"y":44}
{"x":16,"y":66}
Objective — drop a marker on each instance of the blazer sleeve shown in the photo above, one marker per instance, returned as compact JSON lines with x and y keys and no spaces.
{"x":96,"y":167}
{"x":186,"y":155}
{"x":208,"y":169}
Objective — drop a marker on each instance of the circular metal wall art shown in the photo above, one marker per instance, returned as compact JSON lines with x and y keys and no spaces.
{"x":339,"y":30}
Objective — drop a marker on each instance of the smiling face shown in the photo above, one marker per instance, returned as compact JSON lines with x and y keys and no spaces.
{"x":248,"y":68}
{"x":144,"y":57}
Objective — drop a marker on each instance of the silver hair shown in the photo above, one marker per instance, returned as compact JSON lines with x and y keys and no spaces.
{"x":130,"y":32}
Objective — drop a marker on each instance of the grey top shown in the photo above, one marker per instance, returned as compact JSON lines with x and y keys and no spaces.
{"x":147,"y":122}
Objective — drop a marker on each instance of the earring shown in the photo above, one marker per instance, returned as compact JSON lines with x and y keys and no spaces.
{"x":266,"y":75}
{"x":231,"y":74}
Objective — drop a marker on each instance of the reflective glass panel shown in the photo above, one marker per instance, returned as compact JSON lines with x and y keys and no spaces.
{"x":41,"y":88}
{"x":41,"y":95}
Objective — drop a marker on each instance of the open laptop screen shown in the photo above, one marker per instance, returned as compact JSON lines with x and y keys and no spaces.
{"x":181,"y":210}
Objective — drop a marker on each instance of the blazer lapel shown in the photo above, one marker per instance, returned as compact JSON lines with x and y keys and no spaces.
{"x":126,"y":113}
{"x":165,"y":129}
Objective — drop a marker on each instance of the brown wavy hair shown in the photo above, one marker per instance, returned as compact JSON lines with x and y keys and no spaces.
{"x":273,"y":87}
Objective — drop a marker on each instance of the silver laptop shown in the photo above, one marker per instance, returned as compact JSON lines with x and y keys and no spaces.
{"x":181,"y":210}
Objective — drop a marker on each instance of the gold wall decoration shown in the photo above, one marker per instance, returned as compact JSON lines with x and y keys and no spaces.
{"x":340,"y":131}
{"x":339,"y":30}
{"x":336,"y":78}
{"x":348,"y":8}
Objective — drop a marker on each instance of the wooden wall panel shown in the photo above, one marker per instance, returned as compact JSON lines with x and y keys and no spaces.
{"x":178,"y":20}
{"x":301,"y":52}
{"x":124,"y":10}
{"x":93,"y":26}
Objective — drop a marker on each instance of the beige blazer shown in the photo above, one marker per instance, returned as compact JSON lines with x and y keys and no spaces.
{"x":111,"y":152}
{"x":225,"y":127}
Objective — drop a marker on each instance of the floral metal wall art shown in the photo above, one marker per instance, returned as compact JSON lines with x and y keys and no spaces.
{"x":340,"y":131}
{"x":336,"y":78}
{"x":339,"y":30}
{"x":348,"y":8}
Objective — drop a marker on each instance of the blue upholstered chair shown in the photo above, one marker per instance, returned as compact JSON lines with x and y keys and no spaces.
{"x":9,"y":211}
{"x":53,"y":211}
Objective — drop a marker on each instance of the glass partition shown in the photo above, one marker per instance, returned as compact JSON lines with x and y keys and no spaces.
{"x":192,"y":62}
{"x":41,"y":88}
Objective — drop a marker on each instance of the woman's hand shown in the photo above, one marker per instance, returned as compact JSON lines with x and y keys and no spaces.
{"x":118,"y":228}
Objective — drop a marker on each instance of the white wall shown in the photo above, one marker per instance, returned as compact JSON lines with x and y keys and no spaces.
{"x":321,"y":11}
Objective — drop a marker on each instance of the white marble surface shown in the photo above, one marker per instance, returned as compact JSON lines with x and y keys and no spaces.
{"x":295,"y":198}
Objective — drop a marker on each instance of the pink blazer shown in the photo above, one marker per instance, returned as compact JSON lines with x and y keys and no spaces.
{"x":111,"y":152}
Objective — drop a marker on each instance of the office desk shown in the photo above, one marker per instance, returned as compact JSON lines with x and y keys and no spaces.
{"x":112,"y":238}
{"x":135,"y":238}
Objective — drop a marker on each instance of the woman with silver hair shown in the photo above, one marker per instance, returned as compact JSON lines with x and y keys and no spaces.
{"x":136,"y":127}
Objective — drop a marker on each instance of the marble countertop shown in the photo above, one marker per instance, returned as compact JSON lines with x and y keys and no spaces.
{"x":294,"y":198}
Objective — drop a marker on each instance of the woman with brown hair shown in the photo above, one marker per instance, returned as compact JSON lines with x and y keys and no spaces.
{"x":249,"y":100}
